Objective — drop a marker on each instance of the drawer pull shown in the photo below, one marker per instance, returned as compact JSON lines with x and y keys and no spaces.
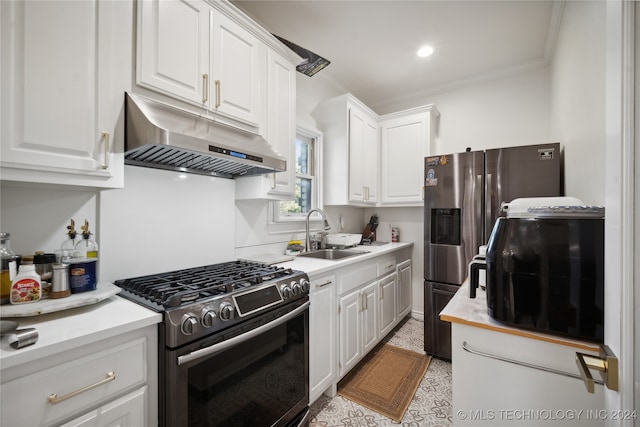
{"x":53,"y":398}
{"x":328,"y":282}
{"x":467,"y":348}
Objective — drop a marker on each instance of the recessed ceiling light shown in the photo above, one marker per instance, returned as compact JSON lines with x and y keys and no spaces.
{"x":425,"y":51}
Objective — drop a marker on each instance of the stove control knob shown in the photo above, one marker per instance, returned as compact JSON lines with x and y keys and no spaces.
{"x":304,"y":284}
{"x":208,"y":317}
{"x":189,"y":324}
{"x":285,"y":290}
{"x":295,"y":288}
{"x":226,"y":311}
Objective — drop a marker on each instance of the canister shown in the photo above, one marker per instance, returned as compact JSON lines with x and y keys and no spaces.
{"x":82,"y":274}
{"x":60,"y":281}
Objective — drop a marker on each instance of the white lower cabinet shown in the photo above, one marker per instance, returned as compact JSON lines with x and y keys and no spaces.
{"x":322,"y":336}
{"x":127,"y":411}
{"x":358,"y":313}
{"x":404,"y":288}
{"x":109,"y":383}
{"x":388,"y":291}
{"x":489,"y":390}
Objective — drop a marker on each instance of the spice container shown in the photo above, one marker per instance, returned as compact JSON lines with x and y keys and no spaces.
{"x":60,"y":282}
{"x":10,"y":262}
{"x":25,"y":287}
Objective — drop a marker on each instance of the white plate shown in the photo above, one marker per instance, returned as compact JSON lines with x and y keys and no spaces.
{"x":103,"y":291}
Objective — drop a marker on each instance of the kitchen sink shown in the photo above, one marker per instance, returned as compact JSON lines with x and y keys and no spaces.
{"x":332,"y":254}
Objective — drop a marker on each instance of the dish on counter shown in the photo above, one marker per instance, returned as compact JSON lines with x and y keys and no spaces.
{"x":103,"y":291}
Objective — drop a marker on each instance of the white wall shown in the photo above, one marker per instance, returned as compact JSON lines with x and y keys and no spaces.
{"x":158,"y":222}
{"x":512,"y":110}
{"x":577,"y":99}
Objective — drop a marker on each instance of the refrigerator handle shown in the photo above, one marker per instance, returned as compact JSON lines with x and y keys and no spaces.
{"x":488,"y":217}
{"x":479,"y":210}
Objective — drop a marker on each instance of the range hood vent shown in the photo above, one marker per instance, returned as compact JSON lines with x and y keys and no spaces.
{"x":164,"y":137}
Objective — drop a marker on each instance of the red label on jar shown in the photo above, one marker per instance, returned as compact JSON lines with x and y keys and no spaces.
{"x":25,"y":290}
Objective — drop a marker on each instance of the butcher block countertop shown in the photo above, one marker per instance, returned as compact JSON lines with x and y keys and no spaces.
{"x":473,"y":312}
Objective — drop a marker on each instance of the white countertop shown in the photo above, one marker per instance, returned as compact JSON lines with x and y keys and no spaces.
{"x":473,"y":312}
{"x":68,"y":329}
{"x":315,"y":266}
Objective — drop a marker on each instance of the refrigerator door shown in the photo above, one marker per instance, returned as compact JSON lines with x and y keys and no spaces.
{"x":452,"y":215}
{"x":528,"y":171}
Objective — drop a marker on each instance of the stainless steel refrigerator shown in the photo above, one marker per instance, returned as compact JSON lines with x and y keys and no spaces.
{"x":462,"y":198}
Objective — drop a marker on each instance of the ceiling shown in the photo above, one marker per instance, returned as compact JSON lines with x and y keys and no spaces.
{"x":372,"y":44}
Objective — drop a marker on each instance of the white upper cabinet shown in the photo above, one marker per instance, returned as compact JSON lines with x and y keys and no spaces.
{"x":406,"y":138}
{"x":280,"y":132}
{"x":351,"y":142}
{"x":235,"y":87}
{"x":193,"y":52}
{"x":65,"y":68}
{"x":173,"y":48}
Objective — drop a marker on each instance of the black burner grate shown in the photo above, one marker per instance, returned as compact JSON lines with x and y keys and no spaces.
{"x":182,"y":287}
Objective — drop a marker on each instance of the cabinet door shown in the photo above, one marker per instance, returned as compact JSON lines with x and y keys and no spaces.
{"x":281,"y":118}
{"x":387,"y":289}
{"x":404,"y":288}
{"x":370,"y":161}
{"x":363,"y":157}
{"x":59,"y":108}
{"x":236,"y":71}
{"x":404,"y":144}
{"x":173,"y":48}
{"x":370,"y":330}
{"x":127,"y":411}
{"x":350,"y":331}
{"x":322,"y":327}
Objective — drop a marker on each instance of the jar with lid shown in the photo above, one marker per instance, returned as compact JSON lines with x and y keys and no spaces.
{"x":10,"y":262}
{"x":44,"y":267}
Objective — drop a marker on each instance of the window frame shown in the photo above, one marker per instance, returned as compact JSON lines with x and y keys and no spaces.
{"x":298,"y":220}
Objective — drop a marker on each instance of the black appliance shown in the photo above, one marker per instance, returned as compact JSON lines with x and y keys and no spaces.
{"x":463,"y":193}
{"x":233,"y":345}
{"x":545,"y":271}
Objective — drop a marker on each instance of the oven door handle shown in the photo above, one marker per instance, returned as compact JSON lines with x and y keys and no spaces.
{"x":217,"y":348}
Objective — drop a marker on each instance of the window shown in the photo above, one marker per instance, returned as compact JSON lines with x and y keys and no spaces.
{"x":307,"y":186}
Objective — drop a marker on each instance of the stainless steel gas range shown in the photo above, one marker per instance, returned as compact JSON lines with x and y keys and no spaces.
{"x":234,"y":344}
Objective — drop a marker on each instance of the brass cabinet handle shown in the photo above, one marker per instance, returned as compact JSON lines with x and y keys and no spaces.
{"x":205,"y":88}
{"x":53,"y":398}
{"x":105,"y":138}
{"x":328,"y":282}
{"x":606,"y":363}
{"x":217,"y":82}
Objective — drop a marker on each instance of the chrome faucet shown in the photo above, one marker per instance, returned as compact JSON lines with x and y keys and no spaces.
{"x":308,"y":247}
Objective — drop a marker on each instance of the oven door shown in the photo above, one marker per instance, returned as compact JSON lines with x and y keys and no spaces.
{"x":254,"y":374}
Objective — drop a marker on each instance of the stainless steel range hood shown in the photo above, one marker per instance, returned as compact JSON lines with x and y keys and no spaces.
{"x":165,"y":137}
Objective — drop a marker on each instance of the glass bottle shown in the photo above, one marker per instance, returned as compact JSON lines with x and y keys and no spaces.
{"x":10,"y":263}
{"x":86,"y":247}
{"x":68,"y":247}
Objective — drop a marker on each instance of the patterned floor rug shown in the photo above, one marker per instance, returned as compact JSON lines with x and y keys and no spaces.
{"x":385,"y":380}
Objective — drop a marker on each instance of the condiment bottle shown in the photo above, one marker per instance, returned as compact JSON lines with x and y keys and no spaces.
{"x":87,"y":247}
{"x":25,"y":287}
{"x":10,"y":263}
{"x":68,"y":247}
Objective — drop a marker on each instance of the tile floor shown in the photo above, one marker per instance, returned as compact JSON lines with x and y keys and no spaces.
{"x":430,"y":407}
